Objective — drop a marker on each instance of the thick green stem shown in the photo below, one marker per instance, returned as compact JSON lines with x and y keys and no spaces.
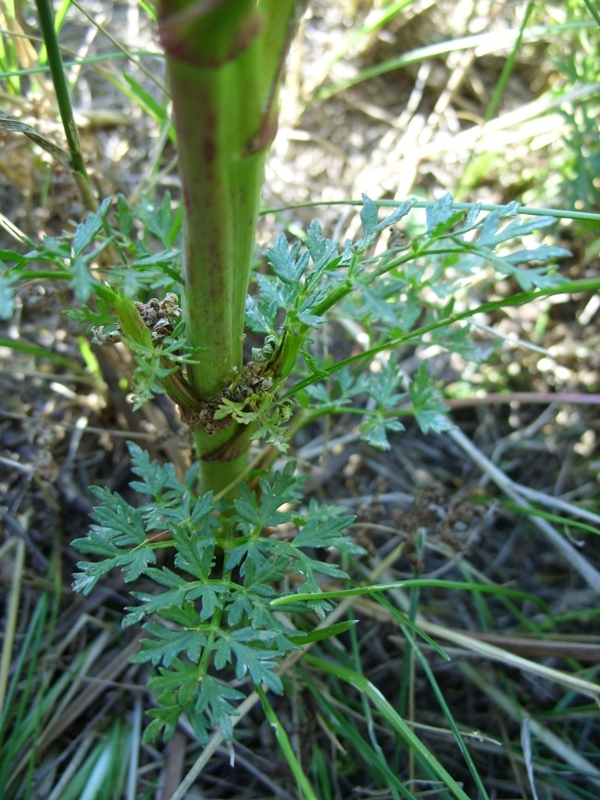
{"x":224,"y":61}
{"x":225,"y":456}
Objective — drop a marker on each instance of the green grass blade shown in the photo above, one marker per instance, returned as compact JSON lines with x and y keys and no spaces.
{"x":148,"y":8}
{"x":131,"y":89}
{"x":9,"y":60}
{"x":593,"y":10}
{"x":345,"y":728}
{"x":320,"y":634}
{"x":448,"y":715}
{"x":40,"y":352}
{"x":408,"y":660}
{"x":483,"y":42}
{"x":78,"y":62}
{"x":17,"y":725}
{"x":375,"y":20}
{"x":422,"y":753}
{"x":507,"y":68}
{"x":59,"y":19}
{"x":321,"y":775}
{"x":304,"y":786}
{"x":366,"y":708}
{"x":145,"y":100}
{"x":537,"y":512}
{"x":557,"y":213}
{"x":11,"y":618}
{"x":409,"y":584}
{"x":117,"y":44}
{"x":46,"y":18}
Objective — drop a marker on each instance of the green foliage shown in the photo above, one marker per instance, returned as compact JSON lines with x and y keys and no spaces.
{"x":211,"y":610}
{"x":77,"y":257}
{"x":155,"y":362}
{"x":430,"y":411}
{"x":388,"y":292}
{"x":208,"y":619}
{"x":305,"y":280}
{"x":211,"y":613}
{"x":580,"y":161}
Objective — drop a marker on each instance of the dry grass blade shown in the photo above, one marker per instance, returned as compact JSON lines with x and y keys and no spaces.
{"x":556,"y":744}
{"x":14,"y":599}
{"x":98,"y":684}
{"x":494,"y":653}
{"x":539,"y":117}
{"x":113,"y":40}
{"x":578,"y":562}
{"x":583,"y":651}
{"x":13,"y":125}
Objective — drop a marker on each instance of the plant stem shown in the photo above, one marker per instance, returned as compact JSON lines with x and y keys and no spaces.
{"x":46,"y":18}
{"x":224,"y":62}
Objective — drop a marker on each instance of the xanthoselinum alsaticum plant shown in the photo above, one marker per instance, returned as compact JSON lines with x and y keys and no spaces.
{"x":208,"y":619}
{"x":177,"y":296}
{"x":211,"y":611}
{"x":227,"y":556}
